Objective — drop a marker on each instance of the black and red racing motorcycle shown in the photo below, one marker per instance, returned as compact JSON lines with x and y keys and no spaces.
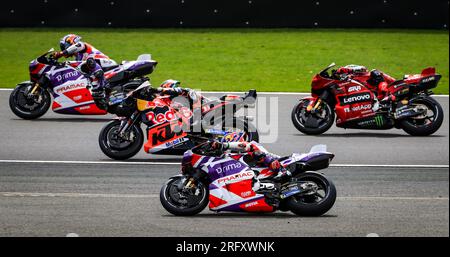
{"x":406,"y":103}
{"x":172,"y":126}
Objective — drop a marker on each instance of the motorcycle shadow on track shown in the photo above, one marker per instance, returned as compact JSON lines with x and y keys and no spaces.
{"x":277,"y":215}
{"x":161,"y":160}
{"x":76,"y":120}
{"x":363,"y":134}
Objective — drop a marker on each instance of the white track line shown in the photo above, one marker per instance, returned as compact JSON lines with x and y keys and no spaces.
{"x":178,"y":163}
{"x":101,"y":195}
{"x":91,"y":162}
{"x":259,"y":93}
{"x":77,"y":195}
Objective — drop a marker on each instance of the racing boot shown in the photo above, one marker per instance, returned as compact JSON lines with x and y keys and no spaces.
{"x":282,"y":176}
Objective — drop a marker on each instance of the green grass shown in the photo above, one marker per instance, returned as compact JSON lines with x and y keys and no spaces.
{"x":240,"y":59}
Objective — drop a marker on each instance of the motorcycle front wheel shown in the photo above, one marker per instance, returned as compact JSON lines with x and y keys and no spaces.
{"x":312,"y":123}
{"x":316,"y":202}
{"x":28,"y":106}
{"x":429,"y":122}
{"x":182,"y":201}
{"x":118,"y":147}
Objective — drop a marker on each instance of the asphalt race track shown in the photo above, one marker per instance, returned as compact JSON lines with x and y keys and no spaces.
{"x":377,"y":193}
{"x":59,"y":137}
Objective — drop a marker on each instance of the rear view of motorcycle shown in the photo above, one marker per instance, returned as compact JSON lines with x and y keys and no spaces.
{"x":231,"y":182}
{"x":347,"y":98}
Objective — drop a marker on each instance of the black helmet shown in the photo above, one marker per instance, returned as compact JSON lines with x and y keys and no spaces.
{"x":376,"y":77}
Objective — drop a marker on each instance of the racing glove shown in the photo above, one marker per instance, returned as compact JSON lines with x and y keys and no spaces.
{"x":57,"y":55}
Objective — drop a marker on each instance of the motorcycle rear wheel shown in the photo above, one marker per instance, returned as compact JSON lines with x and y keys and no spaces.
{"x":116,"y":148}
{"x":299,"y":116}
{"x":172,"y":198}
{"x":418,"y":126}
{"x":25,"y":107}
{"x":317,"y":204}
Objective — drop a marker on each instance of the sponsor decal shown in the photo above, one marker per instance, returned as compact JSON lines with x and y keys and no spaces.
{"x":152,"y":105}
{"x":251,"y":204}
{"x":233,"y":137}
{"x":237,"y":177}
{"x":354,"y":88}
{"x":76,"y":98}
{"x":161,"y":117}
{"x":230,"y":166}
{"x":377,"y":120}
{"x":167,"y":116}
{"x":164,"y":133}
{"x":246,"y":193}
{"x":355,"y":98}
{"x":70,"y":87}
{"x":425,"y":80}
{"x":66,"y":76}
{"x":362,"y":107}
{"x":175,"y":142}
{"x":85,"y":107}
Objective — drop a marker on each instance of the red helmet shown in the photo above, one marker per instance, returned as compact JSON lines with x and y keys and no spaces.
{"x":352,"y":69}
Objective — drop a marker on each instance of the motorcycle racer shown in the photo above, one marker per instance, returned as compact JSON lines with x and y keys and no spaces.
{"x":261,"y":156}
{"x":376,"y":81}
{"x":94,"y":63}
{"x":72,"y":46}
{"x":172,"y":87}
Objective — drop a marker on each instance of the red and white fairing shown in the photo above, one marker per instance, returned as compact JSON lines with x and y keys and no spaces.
{"x":231,"y":187}
{"x":70,"y":93}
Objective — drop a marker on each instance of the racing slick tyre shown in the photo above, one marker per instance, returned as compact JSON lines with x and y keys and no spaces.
{"x":425,"y":124}
{"x":28,"y":106}
{"x":312,"y":124}
{"x":117,"y":147}
{"x":317,"y":203}
{"x":179,"y":201}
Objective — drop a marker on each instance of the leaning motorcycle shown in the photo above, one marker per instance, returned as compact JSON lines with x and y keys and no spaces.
{"x":171,"y":127}
{"x":407,"y":104}
{"x":69,"y":86}
{"x":231,"y":182}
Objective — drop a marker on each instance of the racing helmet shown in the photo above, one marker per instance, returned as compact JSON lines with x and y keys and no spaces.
{"x":352,"y":69}
{"x":376,"y":77}
{"x":68,"y":40}
{"x":170,"y":83}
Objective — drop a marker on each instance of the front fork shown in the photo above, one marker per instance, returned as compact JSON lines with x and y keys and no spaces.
{"x":33,"y":90}
{"x":314,"y":106}
{"x":126,"y":124}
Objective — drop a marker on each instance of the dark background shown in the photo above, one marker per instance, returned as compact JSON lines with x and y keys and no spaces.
{"x":227,"y":13}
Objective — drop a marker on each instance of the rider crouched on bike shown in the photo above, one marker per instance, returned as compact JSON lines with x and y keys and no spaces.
{"x":258,"y":154}
{"x":172,"y":87}
{"x":94,"y":63}
{"x":376,"y":82}
{"x":72,"y":46}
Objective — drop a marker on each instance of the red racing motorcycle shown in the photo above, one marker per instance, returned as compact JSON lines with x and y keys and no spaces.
{"x":348,"y":98}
